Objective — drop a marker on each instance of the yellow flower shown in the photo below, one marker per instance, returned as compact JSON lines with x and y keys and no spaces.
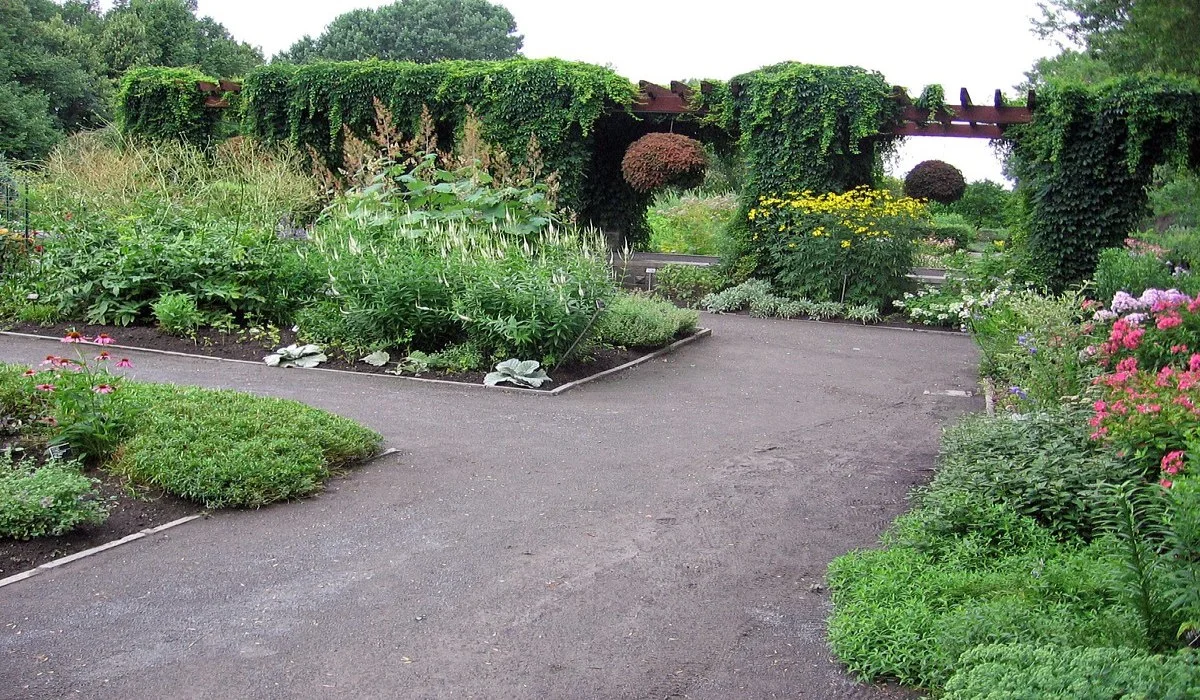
{"x":845,"y":244}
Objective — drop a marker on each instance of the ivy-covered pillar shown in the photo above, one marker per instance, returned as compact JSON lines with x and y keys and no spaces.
{"x":1084,"y":163}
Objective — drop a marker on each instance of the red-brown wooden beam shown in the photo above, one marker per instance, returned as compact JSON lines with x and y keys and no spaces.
{"x":972,"y":113}
{"x":978,"y":131}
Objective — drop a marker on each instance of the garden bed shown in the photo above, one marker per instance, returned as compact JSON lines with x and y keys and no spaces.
{"x":131,"y":510}
{"x":244,"y":347}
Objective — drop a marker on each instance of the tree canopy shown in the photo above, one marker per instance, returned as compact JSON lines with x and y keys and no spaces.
{"x":1131,"y":37}
{"x":421,"y":31}
{"x":59,"y":62}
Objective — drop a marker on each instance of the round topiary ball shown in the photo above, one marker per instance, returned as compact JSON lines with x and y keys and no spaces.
{"x":657,"y":160}
{"x":936,"y":181}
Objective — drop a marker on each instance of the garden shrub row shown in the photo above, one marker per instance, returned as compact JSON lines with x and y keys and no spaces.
{"x":1054,"y":553}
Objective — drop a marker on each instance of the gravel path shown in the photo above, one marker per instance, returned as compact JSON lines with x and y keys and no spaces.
{"x":661,"y":534}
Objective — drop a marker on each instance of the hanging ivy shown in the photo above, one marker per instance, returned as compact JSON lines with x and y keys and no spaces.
{"x":557,"y":101}
{"x":166,"y":103}
{"x":1085,"y":161}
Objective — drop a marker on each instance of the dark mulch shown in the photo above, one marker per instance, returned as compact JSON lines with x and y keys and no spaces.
{"x":131,"y":509}
{"x":242,"y":345}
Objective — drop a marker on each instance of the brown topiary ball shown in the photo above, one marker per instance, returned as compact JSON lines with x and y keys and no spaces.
{"x":657,"y":160}
{"x":936,"y":181}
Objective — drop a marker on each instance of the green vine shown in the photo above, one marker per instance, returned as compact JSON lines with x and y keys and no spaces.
{"x":1085,"y":161}
{"x":166,"y":103}
{"x":557,"y":101}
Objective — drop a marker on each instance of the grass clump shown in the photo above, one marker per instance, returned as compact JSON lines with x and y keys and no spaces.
{"x":225,"y":448}
{"x":49,"y":500}
{"x":641,"y":321}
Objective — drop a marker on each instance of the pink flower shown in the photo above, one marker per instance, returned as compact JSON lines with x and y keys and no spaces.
{"x":1178,"y":349}
{"x":103,"y":357}
{"x":45,"y":387}
{"x":1194,"y":363}
{"x":31,"y":372}
{"x":1129,"y":364}
{"x":1169,"y":321}
{"x":73,"y":337}
{"x":104,"y":389}
{"x":1166,"y":483}
{"x":1173,"y":462}
{"x":103,"y":339}
{"x":52,"y":361}
{"x":124,"y":363}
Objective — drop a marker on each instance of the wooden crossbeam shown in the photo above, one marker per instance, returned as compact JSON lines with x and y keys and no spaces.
{"x":976,"y":131}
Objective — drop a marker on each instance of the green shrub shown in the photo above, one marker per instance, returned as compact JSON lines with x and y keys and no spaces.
{"x":737,"y":298}
{"x":908,"y":613}
{"x":690,"y":223}
{"x":1121,"y":269}
{"x":463,"y":357}
{"x":1031,"y":672}
{"x":984,"y":204}
{"x":224,"y":448}
{"x":1043,"y":465}
{"x":686,"y":284}
{"x":50,"y":500}
{"x":165,"y":103}
{"x":177,"y":313}
{"x":1177,"y":198}
{"x":952,"y":227}
{"x":641,"y":321}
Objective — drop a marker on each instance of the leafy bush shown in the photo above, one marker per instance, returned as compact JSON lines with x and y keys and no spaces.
{"x":984,"y":204}
{"x":1137,"y":268}
{"x":165,"y":103}
{"x":737,"y":298}
{"x":909,"y":613}
{"x":641,"y":321}
{"x":225,"y":448}
{"x":1176,"y":198}
{"x":690,"y":223}
{"x":855,"y":247}
{"x":50,"y":500}
{"x":1002,"y":671}
{"x":177,"y":313}
{"x":657,"y":160}
{"x":935,"y":181}
{"x":687,"y":284}
{"x":952,"y":227}
{"x":1043,"y":465}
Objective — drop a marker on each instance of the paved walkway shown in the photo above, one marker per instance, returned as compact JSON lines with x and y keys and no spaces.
{"x":661,"y":534}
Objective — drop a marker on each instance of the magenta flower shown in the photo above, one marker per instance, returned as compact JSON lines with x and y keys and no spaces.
{"x":103,"y":357}
{"x":31,"y":372}
{"x":45,"y":387}
{"x":104,"y":389}
{"x":74,"y":337}
{"x":52,"y":361}
{"x":124,"y":363}
{"x":103,"y":339}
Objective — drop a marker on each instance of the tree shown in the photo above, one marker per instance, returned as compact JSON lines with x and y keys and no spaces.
{"x":168,"y":33}
{"x":1130,"y":36}
{"x":422,"y":31}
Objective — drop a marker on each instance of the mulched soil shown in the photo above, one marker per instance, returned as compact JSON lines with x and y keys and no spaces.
{"x":131,"y":509}
{"x":243,"y":346}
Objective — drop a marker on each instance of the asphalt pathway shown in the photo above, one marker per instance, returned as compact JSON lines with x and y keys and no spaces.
{"x":661,"y":534}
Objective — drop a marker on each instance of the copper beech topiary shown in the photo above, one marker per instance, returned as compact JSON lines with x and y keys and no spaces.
{"x":657,"y":160}
{"x":936,"y":181}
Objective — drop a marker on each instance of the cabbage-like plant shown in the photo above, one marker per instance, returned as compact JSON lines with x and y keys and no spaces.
{"x":528,"y":373}
{"x":305,"y":356}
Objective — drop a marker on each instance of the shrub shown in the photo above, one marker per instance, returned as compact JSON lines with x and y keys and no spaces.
{"x":1176,"y":199}
{"x":50,"y":500}
{"x":165,"y":103}
{"x":909,"y":614}
{"x":657,"y":160}
{"x":687,"y":284}
{"x":936,"y":181}
{"x":1137,"y":268}
{"x":224,"y":448}
{"x":997,"y":671}
{"x":855,"y":247}
{"x":952,"y":227}
{"x":736,"y":298}
{"x":1043,"y":465}
{"x":689,"y":223}
{"x":177,"y":313}
{"x":641,"y":321}
{"x":984,"y":204}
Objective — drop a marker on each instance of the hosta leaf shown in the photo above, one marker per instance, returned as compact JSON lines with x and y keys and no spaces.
{"x":377,"y":359}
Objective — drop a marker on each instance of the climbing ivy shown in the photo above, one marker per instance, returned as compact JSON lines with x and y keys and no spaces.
{"x":1085,"y":161}
{"x":557,"y":101}
{"x":166,"y":103}
{"x":800,"y":128}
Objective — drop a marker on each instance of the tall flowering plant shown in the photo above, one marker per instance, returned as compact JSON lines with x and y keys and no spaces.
{"x":1149,"y":405}
{"x":88,"y":413}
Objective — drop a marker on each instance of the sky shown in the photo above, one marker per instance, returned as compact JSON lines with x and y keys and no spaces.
{"x":979,"y":45}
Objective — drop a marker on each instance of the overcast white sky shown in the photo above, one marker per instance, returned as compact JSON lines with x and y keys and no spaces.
{"x":974,"y":44}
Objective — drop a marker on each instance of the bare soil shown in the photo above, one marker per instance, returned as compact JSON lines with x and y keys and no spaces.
{"x":243,"y":345}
